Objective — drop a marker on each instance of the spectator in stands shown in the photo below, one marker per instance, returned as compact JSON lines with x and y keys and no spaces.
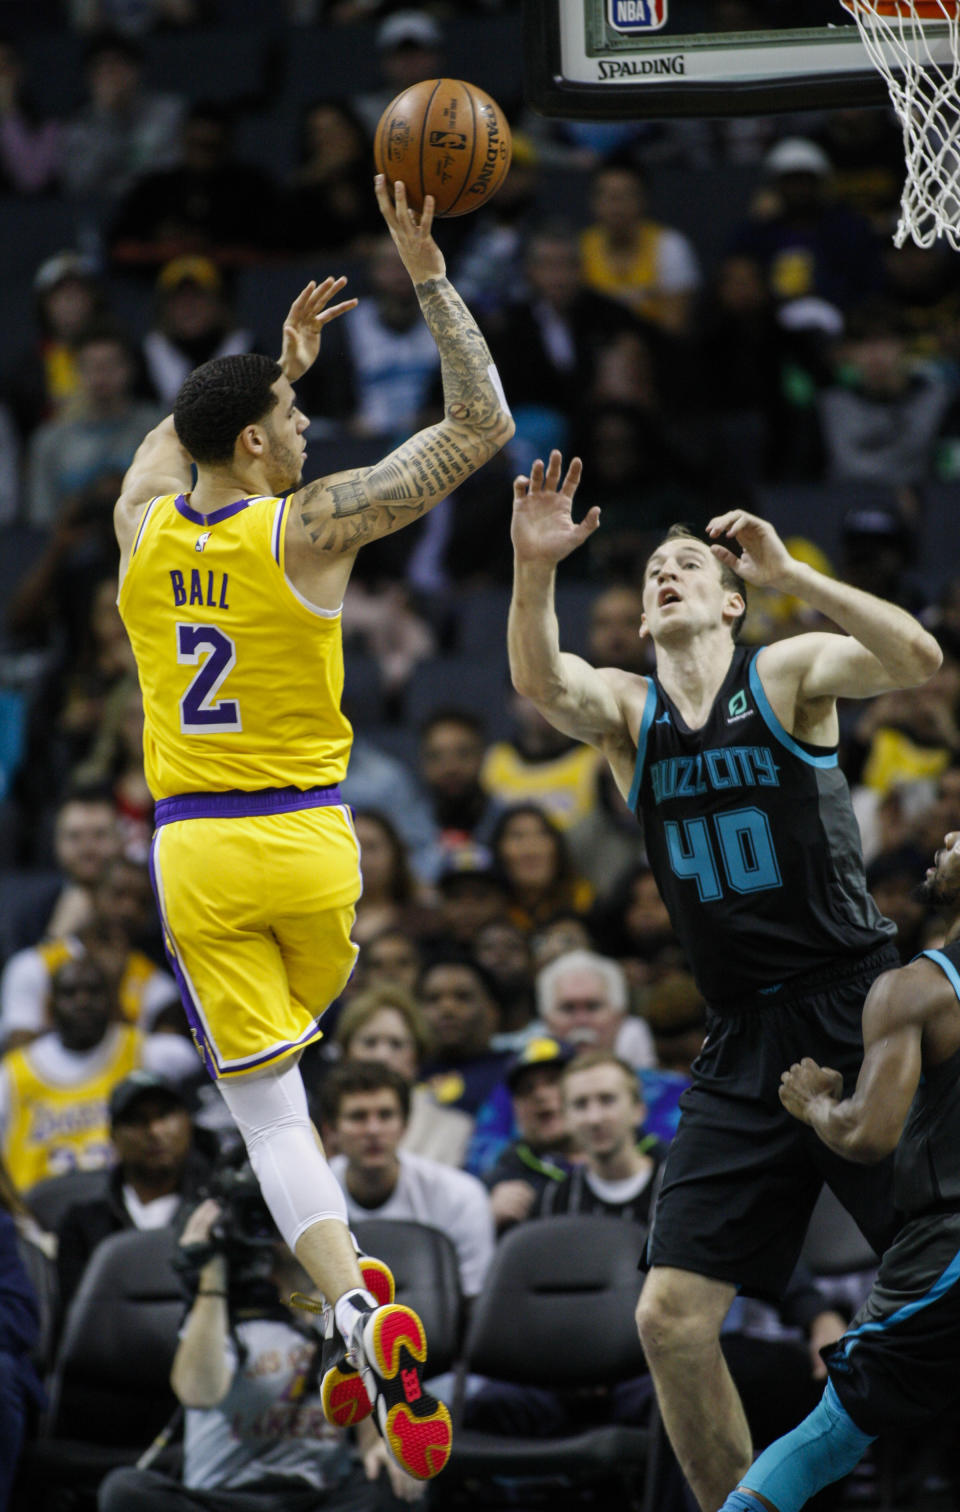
{"x":539,"y":764}
{"x":134,"y":17}
{"x":385,"y":1024}
{"x":882,"y":416}
{"x":193,"y":323}
{"x":564,"y":932}
{"x":676,"y":1014}
{"x":116,"y":761}
{"x":53,"y":1092}
{"x":97,"y":438}
{"x":201,"y":204}
{"x":910,"y":736}
{"x":390,"y":893}
{"x":531,"y":854}
{"x":246,"y":1370}
{"x":650,"y":268}
{"x":366,"y":1106}
{"x":470,"y":894}
{"x":392,"y":958}
{"x":583,"y":999}
{"x":9,"y":467}
{"x":21,"y":1394}
{"x":85,"y":685}
{"x":161,"y":1164}
{"x":459,"y":1001}
{"x":894,"y":879}
{"x":450,"y":760}
{"x":490,"y":267}
{"x":124,"y":130}
{"x":380,"y":782}
{"x":123,"y":919}
{"x":604,"y":1114}
{"x":328,"y":206}
{"x":539,"y":1156}
{"x":547,"y":344}
{"x":393,"y":358}
{"x":810,"y":248}
{"x":86,"y":836}
{"x":633,"y":926}
{"x":384,"y":621}
{"x":29,"y":144}
{"x":504,"y":949}
{"x":68,"y":298}
{"x":409,"y":48}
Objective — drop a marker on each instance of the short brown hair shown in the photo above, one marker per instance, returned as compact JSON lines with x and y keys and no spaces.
{"x":366,"y":1005}
{"x":591,"y":1058}
{"x":356,"y":1077}
{"x":731,"y":580}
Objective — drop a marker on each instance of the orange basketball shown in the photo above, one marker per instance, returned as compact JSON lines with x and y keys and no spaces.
{"x":446,"y":138}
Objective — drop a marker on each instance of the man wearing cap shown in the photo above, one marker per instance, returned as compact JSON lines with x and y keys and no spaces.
{"x":162,"y":1161}
{"x":539,"y":1156}
{"x":193,"y":324}
{"x":409,"y":48}
{"x":471,"y":894}
{"x":811,"y":248}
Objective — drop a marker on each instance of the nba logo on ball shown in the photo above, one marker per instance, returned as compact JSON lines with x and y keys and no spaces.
{"x":637,"y":15}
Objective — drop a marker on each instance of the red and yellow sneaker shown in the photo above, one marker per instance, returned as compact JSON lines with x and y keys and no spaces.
{"x":343,"y":1395}
{"x":415,"y":1426}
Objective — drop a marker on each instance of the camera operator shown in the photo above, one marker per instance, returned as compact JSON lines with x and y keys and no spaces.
{"x":246,"y":1372}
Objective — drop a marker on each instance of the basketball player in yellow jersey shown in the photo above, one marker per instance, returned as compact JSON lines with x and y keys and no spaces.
{"x":231,"y":594}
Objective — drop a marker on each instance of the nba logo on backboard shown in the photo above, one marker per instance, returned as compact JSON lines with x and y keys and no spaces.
{"x":637,"y":15}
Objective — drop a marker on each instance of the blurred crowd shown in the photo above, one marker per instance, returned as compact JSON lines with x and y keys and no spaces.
{"x":518,"y":977}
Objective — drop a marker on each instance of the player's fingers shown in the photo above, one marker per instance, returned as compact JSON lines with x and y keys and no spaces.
{"x":589,"y":523}
{"x":521,"y":485}
{"x":326,"y":291}
{"x":728,"y":558}
{"x":554,"y":468}
{"x":572,"y":480}
{"x":427,"y":214}
{"x":404,"y":213}
{"x":383,"y":199}
{"x":338,"y":309}
{"x":536,"y":476}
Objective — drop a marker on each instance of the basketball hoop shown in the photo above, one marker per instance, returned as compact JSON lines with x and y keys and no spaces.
{"x":915,"y":45}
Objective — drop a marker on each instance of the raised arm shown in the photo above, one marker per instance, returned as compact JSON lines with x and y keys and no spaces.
{"x":581,"y":700}
{"x":884,"y":647}
{"x":866,"y":1126}
{"x":160,"y":466}
{"x":340,"y":513}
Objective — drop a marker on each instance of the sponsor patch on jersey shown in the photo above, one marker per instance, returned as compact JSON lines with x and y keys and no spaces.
{"x":738,"y":707}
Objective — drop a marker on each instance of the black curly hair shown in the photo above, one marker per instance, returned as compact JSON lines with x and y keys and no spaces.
{"x":221,"y":397}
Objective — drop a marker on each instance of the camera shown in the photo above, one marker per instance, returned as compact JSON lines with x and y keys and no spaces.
{"x":244,"y":1233}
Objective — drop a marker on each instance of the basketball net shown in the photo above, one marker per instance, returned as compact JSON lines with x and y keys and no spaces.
{"x":915,"y":45}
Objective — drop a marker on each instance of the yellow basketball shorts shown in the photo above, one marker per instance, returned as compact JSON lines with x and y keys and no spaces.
{"x":257,"y":914}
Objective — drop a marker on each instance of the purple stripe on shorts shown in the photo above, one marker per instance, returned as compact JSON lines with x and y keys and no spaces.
{"x":278,"y":529}
{"x":239,"y":805}
{"x":210,"y":519}
{"x":183,"y":986}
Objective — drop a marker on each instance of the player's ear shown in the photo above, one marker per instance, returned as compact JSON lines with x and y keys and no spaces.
{"x":644,"y":630}
{"x":252,"y":440}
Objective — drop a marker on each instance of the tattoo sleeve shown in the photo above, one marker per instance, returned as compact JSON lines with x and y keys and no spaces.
{"x":340,"y":515}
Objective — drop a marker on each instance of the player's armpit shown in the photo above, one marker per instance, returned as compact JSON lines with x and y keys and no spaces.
{"x":344,"y":511}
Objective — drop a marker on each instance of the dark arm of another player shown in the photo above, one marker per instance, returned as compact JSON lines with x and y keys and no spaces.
{"x":866,"y":1126}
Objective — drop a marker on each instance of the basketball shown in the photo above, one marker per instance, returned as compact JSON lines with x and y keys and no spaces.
{"x":446,"y":138}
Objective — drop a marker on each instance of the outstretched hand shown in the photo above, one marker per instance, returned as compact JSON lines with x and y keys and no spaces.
{"x":764,"y":561}
{"x":303,"y":327}
{"x":543,"y":528}
{"x":411,"y":233}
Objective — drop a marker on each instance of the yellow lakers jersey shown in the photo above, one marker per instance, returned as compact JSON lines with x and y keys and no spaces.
{"x":56,"y":1127}
{"x":565,"y":787}
{"x":241,"y":677}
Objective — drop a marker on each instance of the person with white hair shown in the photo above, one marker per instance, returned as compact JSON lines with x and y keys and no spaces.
{"x":583,"y":999}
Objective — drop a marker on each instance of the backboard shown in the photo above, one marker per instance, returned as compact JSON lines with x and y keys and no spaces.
{"x":616,"y":59}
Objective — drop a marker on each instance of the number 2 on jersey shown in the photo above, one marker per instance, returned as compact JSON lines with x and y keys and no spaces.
{"x":745,"y":846}
{"x":201,"y":713}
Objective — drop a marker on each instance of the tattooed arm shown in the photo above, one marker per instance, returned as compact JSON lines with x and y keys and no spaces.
{"x":338,"y":514}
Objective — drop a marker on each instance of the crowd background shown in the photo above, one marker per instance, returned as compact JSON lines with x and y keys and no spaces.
{"x":711,"y":313}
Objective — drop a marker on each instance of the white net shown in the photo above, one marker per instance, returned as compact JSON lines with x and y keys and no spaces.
{"x":914,"y":45}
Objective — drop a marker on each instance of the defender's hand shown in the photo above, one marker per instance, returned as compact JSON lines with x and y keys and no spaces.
{"x":543,"y":528}
{"x":764,"y":560}
{"x":804,"y":1083}
{"x":304,"y":325}
{"x":419,"y":252}
{"x":197,"y":1227}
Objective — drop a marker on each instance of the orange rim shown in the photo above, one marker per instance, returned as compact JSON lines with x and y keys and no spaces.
{"x":910,"y":10}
